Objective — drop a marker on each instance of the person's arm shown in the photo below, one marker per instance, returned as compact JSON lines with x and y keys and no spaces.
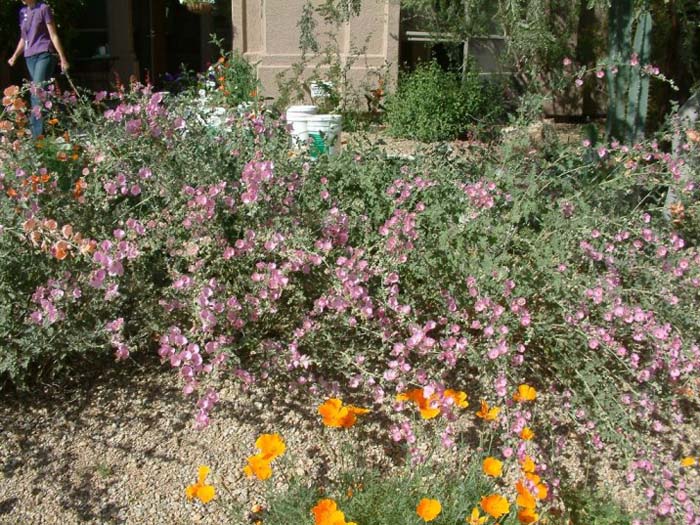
{"x":53,"y":34}
{"x":17,"y":53}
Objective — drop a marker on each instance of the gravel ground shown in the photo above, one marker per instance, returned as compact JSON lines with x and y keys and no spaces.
{"x":122,"y":450}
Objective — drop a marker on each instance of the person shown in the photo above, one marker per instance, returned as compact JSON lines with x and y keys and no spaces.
{"x":39,"y":42}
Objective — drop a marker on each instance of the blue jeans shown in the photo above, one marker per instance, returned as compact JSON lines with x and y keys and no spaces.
{"x":41,"y":67}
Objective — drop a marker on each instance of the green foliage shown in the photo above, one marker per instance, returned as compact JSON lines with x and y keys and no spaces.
{"x":328,"y":65}
{"x":587,"y":507}
{"x":235,"y":78}
{"x":368,"y":495}
{"x":433,"y":105}
{"x":537,"y":32}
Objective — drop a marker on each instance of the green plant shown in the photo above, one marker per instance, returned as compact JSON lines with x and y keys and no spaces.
{"x":587,"y":507}
{"x":326,"y":69}
{"x":432,"y":105}
{"x":231,"y":79}
{"x":628,"y":86}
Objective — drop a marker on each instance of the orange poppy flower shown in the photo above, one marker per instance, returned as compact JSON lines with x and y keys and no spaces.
{"x":271,"y":446}
{"x":527,"y":434}
{"x":486,"y":413}
{"x":258,"y":466}
{"x":525,"y":498}
{"x":525,"y":393}
{"x":527,"y":515}
{"x":493,"y":467}
{"x":428,"y":406}
{"x":541,"y":489}
{"x":326,"y":513}
{"x":200,"y":490}
{"x":527,"y":464}
{"x":428,"y":509}
{"x":336,"y":415}
{"x":425,"y":405}
{"x":459,"y":397}
{"x":495,"y":505}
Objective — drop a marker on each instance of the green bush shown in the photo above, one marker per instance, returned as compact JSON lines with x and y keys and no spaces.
{"x":433,"y":105}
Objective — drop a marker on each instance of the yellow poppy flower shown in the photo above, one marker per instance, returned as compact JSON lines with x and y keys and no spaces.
{"x":689,"y":461}
{"x":200,"y":490}
{"x":525,"y":393}
{"x":428,"y":509}
{"x":476,"y":518}
{"x":493,"y":467}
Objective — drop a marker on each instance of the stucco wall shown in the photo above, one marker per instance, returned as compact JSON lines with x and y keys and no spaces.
{"x":266,"y":32}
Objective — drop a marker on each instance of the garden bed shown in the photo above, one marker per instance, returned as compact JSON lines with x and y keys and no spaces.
{"x":507,"y":327}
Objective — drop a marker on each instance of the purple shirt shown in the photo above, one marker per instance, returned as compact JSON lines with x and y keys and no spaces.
{"x":32,"y":23}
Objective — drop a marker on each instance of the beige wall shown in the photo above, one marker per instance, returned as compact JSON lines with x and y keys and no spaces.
{"x":266,"y":32}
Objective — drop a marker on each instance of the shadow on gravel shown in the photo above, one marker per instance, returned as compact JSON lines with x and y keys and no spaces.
{"x":7,"y":505}
{"x":47,"y":429}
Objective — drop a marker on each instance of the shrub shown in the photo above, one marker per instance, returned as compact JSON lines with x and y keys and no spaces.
{"x":176,"y":223}
{"x":433,"y":105}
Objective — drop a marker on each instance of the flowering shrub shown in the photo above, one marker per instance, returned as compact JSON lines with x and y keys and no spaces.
{"x":139,"y":225}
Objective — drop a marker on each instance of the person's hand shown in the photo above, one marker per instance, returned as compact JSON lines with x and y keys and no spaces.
{"x":11,"y":61}
{"x":65,"y":66}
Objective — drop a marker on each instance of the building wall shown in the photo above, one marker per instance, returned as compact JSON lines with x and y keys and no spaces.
{"x":266,"y":32}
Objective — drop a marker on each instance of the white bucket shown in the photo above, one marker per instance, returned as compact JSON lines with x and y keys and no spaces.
{"x":297,"y":117}
{"x":324,"y":132}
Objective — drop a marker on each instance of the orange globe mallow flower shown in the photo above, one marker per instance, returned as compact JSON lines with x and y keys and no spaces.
{"x":527,"y":434}
{"x":336,"y":415}
{"x":495,"y":505}
{"x":486,"y":413}
{"x":428,"y":406}
{"x":200,"y":490}
{"x":525,"y":393}
{"x":493,"y":467}
{"x":428,"y":509}
{"x":326,"y":513}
